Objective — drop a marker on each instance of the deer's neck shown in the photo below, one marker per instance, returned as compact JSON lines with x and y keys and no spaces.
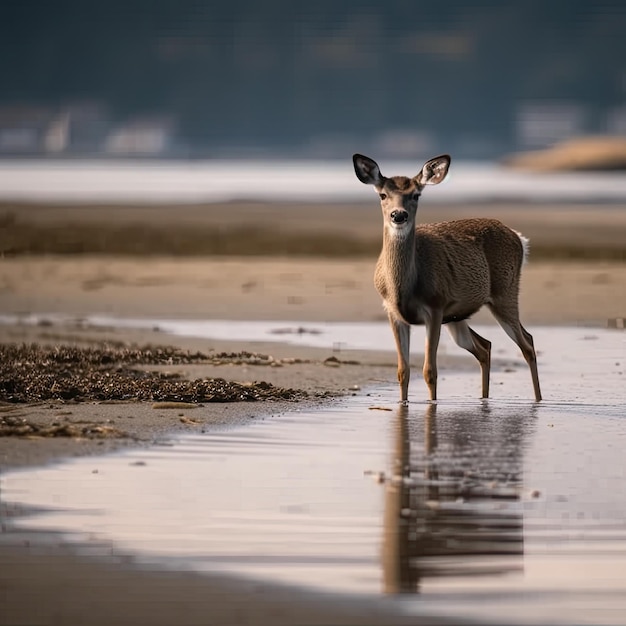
{"x":399,"y":259}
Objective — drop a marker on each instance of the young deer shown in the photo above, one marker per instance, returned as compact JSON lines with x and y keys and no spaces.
{"x":436,"y":274}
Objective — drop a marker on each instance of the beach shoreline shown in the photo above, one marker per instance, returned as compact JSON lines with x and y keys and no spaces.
{"x":324,"y":375}
{"x":84,"y":578}
{"x":44,"y":580}
{"x":323,"y":283}
{"x":295,"y":291}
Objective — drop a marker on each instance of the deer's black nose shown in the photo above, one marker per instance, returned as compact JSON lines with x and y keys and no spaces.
{"x":399,"y":217}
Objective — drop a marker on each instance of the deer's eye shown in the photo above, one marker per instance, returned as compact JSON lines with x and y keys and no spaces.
{"x":383,"y":196}
{"x":415,"y":195}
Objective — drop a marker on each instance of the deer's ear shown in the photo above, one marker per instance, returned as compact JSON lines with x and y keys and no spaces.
{"x":434,"y":171}
{"x":367,"y":170}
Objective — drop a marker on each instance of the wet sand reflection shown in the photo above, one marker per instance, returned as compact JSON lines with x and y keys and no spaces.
{"x":452,"y":502}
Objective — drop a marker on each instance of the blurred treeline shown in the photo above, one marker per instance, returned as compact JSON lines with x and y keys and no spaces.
{"x":280,"y":72}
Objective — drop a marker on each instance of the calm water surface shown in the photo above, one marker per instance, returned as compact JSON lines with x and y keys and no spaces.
{"x":503,"y":510}
{"x":218,"y":181}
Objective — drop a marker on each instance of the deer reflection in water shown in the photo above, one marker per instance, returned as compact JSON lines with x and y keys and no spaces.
{"x":452,"y":503}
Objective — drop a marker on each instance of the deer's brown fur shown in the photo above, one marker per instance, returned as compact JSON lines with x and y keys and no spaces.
{"x":436,"y":274}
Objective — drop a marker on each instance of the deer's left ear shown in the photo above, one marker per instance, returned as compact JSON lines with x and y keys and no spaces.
{"x":434,"y":171}
{"x":367,"y":170}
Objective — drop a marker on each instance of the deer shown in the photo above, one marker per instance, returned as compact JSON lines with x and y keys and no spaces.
{"x":442,"y":273}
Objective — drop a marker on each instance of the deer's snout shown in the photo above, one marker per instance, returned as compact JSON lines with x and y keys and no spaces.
{"x":399,"y":216}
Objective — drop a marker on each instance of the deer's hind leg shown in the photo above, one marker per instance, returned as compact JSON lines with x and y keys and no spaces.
{"x":508,"y":318}
{"x":480,"y":347}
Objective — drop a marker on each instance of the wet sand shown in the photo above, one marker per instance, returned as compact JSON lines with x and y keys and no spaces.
{"x":320,"y":373}
{"x":515,"y":510}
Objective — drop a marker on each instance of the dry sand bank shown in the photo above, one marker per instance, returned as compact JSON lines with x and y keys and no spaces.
{"x":556,"y":231}
{"x":296,"y":289}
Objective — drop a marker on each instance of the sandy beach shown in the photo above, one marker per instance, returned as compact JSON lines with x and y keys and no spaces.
{"x":297,"y":289}
{"x":292,"y":290}
{"x":252,"y":283}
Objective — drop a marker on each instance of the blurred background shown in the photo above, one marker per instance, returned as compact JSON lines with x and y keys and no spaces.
{"x":193,"y":157}
{"x":250,"y":78}
{"x":250,"y":111}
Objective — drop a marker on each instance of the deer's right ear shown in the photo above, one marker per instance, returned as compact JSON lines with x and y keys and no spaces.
{"x":367,"y":170}
{"x":434,"y":171}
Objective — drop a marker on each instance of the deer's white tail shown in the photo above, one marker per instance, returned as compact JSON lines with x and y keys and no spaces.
{"x":526,"y":245}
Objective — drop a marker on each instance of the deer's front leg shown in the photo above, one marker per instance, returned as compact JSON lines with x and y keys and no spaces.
{"x":433,"y":332}
{"x":402,"y":335}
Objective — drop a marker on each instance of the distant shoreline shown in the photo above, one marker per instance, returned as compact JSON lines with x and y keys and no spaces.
{"x":583,"y":154}
{"x":563,"y":231}
{"x":184,"y":182}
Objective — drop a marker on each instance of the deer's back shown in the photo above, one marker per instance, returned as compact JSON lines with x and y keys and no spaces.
{"x":471,"y":260}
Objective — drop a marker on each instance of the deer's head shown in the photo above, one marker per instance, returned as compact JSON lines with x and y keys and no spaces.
{"x":399,"y":194}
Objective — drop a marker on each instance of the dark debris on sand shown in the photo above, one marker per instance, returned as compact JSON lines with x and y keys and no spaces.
{"x":34,"y":373}
{"x":15,"y":426}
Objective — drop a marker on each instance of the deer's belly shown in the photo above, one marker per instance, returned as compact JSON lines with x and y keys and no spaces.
{"x":416,"y":313}
{"x":459,"y":312}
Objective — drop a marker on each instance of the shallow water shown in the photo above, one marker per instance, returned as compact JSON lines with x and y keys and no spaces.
{"x":503,"y":510}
